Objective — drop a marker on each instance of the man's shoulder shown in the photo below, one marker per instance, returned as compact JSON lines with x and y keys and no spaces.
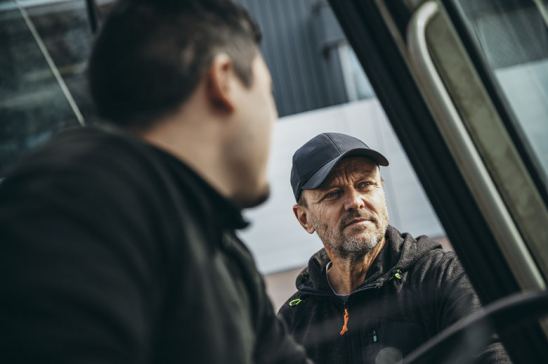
{"x":82,"y":148}
{"x":436,"y":257}
{"x":417,"y":253}
{"x":293,"y":301}
{"x":437,"y":264}
{"x":81,"y":157}
{"x":85,"y":174}
{"x":291,"y":309}
{"x":89,"y":148}
{"x":302,"y":303}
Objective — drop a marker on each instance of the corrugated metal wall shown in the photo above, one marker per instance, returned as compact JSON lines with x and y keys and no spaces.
{"x":305,"y":77}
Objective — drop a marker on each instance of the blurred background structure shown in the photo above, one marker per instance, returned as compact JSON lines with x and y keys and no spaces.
{"x":319,"y":86}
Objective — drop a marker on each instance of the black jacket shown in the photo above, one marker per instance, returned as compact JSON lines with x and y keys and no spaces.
{"x":412,"y":291}
{"x":113,"y":251}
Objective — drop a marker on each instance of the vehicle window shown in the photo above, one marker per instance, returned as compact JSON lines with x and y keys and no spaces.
{"x":508,"y":42}
{"x":44,"y":46}
{"x":33,"y":104}
{"x":513,"y":38}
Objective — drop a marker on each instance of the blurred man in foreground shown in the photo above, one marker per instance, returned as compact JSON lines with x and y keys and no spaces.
{"x":117,"y":242}
{"x":372,"y":295}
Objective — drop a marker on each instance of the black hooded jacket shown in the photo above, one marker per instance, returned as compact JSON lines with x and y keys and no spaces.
{"x":412,"y":291}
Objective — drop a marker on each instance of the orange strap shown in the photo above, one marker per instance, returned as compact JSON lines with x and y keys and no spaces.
{"x":345,"y":323}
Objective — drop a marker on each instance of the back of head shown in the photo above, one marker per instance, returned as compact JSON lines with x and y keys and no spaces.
{"x":151,"y":55}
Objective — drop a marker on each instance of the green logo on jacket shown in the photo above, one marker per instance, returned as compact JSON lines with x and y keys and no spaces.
{"x":295,"y":302}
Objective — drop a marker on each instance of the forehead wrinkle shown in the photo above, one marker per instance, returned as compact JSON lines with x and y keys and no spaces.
{"x":349,"y":169}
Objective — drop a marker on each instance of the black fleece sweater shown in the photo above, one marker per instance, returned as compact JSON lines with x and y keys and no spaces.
{"x":113,"y":251}
{"x":412,"y":291}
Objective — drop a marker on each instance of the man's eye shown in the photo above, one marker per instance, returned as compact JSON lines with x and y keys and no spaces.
{"x":365,"y":184}
{"x":332,"y":194}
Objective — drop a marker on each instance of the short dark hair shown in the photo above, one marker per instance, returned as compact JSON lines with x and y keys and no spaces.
{"x":151,"y":54}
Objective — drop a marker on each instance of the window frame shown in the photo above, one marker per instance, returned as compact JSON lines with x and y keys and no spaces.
{"x":376,"y":30}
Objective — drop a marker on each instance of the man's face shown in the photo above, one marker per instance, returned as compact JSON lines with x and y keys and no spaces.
{"x":256,"y":112}
{"x":348,"y":212}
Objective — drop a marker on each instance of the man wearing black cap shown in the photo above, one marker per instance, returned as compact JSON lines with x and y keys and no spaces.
{"x":372,"y":295}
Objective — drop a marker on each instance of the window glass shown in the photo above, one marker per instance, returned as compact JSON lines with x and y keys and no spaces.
{"x":32,"y":103}
{"x":44,"y":46}
{"x":513,"y":37}
{"x":357,"y":84}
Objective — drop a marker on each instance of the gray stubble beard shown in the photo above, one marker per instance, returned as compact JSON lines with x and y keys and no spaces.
{"x":351,"y":248}
{"x":356,"y":248}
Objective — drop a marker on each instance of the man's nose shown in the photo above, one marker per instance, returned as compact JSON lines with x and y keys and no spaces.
{"x":353,"y":200}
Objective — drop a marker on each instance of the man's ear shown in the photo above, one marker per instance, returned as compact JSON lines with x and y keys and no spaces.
{"x":219,"y":80}
{"x":302,"y":216}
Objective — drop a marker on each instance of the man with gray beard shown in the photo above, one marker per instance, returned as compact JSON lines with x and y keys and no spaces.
{"x":372,"y":294}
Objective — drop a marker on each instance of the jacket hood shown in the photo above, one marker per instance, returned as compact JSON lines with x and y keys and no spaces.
{"x":400,"y":252}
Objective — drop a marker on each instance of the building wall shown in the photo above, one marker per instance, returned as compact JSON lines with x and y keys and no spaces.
{"x":298,"y":36}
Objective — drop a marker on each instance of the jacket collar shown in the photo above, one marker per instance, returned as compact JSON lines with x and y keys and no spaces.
{"x":216,"y":208}
{"x":400,"y":251}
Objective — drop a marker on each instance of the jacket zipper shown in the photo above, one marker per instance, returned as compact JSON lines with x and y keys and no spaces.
{"x":346,"y":317}
{"x":346,"y":338}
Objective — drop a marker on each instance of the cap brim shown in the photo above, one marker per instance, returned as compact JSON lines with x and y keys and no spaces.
{"x":319,"y":177}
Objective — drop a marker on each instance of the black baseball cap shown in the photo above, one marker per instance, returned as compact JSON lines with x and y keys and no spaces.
{"x":313,"y":162}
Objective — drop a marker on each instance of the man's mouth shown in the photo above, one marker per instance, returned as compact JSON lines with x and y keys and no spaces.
{"x":356,"y":221}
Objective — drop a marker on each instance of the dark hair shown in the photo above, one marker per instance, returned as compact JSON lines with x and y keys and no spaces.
{"x":151,"y":55}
